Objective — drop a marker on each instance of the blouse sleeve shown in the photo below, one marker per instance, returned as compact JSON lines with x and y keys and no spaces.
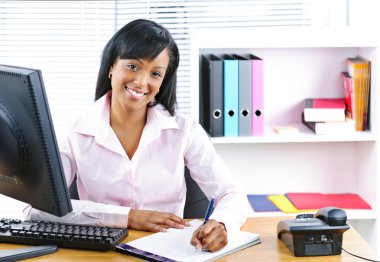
{"x":208,"y":170}
{"x":86,"y":213}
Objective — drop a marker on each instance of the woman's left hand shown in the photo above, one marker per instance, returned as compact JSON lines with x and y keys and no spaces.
{"x":211,"y":236}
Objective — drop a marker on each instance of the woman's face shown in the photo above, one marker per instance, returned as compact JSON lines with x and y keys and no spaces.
{"x":135,"y":82}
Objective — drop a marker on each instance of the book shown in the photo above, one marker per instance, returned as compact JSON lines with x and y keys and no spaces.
{"x":319,"y":200}
{"x":349,"y":96}
{"x":359,"y":69}
{"x":211,"y":98}
{"x":174,"y":245}
{"x":324,"y":110}
{"x":331,"y":128}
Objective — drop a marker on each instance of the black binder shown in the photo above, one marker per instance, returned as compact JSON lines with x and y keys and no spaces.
{"x":211,"y":95}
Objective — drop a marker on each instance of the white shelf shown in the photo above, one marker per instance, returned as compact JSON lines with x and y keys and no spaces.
{"x":304,"y":136}
{"x":352,"y":214}
{"x":301,"y":63}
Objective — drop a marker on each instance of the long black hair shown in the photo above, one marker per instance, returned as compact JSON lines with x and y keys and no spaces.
{"x":141,"y":39}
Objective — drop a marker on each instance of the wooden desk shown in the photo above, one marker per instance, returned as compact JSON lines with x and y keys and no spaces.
{"x":271,"y":249}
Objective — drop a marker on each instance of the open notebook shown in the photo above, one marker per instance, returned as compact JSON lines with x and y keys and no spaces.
{"x":174,"y":245}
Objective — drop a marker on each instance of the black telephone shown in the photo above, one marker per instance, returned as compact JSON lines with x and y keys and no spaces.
{"x":318,"y":234}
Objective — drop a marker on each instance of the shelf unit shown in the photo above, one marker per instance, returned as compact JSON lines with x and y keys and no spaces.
{"x":300,"y":63}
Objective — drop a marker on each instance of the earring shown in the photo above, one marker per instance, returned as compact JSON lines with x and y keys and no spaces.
{"x":110,"y":75}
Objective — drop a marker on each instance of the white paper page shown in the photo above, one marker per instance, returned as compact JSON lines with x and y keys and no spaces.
{"x":11,"y":208}
{"x":175,"y":244}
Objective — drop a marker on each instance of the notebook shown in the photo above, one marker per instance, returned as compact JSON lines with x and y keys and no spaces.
{"x":174,"y":245}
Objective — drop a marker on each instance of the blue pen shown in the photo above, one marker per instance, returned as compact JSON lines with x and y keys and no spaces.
{"x":208,"y":214}
{"x":209,"y":210}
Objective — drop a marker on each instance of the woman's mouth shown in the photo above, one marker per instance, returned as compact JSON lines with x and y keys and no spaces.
{"x":135,"y":93}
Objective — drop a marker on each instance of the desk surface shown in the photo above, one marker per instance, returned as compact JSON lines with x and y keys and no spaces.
{"x":271,"y":249}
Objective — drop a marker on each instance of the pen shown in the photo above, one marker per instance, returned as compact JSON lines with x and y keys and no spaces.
{"x":207,"y":215}
{"x":209,"y":210}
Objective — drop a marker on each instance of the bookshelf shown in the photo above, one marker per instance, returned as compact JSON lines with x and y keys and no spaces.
{"x":305,"y":63}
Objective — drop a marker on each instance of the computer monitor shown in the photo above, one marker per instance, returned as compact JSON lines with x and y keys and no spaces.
{"x":30,"y":165}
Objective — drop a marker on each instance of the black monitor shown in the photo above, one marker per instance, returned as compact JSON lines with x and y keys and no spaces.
{"x":30,"y":165}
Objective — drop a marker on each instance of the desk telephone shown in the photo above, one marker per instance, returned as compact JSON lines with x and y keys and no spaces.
{"x":318,"y":234}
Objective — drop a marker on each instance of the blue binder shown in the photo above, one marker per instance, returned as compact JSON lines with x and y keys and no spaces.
{"x":231,"y":96}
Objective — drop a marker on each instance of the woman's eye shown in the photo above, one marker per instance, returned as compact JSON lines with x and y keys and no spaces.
{"x":157,"y":74}
{"x":133,"y":67}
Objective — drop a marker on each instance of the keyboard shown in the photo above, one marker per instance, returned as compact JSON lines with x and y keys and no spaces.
{"x":30,"y":232}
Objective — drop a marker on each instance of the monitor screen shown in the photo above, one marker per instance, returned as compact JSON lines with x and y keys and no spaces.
{"x":30,"y":165}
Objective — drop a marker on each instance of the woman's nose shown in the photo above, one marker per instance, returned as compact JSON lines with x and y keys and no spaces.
{"x":141,"y":79}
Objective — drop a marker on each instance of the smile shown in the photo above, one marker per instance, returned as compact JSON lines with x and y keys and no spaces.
{"x":135,"y":93}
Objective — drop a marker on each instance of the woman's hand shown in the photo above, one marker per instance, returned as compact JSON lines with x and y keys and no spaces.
{"x":154,"y":221}
{"x":211,"y":236}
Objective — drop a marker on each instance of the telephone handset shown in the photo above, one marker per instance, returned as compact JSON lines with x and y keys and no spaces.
{"x":332,"y":216}
{"x":314,"y":234}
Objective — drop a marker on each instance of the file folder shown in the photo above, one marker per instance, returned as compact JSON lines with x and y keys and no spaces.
{"x":245,"y":96}
{"x":231,"y":96}
{"x":211,"y":95}
{"x":319,"y":200}
{"x":257,"y":95}
{"x":261,"y":203}
{"x":285,"y":205}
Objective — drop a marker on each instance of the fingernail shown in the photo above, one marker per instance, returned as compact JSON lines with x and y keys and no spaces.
{"x":199,"y":247}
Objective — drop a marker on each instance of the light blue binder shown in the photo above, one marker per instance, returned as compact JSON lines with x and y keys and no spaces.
{"x":231,"y":96}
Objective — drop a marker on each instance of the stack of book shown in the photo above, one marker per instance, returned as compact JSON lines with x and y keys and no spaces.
{"x":356,"y":84}
{"x":326,"y":116}
{"x":231,"y":95}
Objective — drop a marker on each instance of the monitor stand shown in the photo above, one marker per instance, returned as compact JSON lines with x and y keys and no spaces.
{"x":24,"y":253}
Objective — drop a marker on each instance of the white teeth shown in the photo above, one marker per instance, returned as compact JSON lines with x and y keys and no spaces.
{"x":135,"y":93}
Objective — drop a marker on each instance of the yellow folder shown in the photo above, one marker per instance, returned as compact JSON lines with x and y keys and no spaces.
{"x":284,"y":204}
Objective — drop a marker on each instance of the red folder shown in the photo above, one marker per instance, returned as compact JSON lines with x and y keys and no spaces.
{"x":319,"y":200}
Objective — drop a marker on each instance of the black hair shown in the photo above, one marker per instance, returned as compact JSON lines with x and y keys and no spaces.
{"x":141,"y":39}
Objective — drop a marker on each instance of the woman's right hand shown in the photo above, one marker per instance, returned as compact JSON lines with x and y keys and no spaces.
{"x":154,"y":221}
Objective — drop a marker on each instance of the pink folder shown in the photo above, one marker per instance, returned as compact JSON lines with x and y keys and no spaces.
{"x":257,"y":128}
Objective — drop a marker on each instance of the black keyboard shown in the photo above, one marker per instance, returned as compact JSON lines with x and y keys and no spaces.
{"x":76,"y":236}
